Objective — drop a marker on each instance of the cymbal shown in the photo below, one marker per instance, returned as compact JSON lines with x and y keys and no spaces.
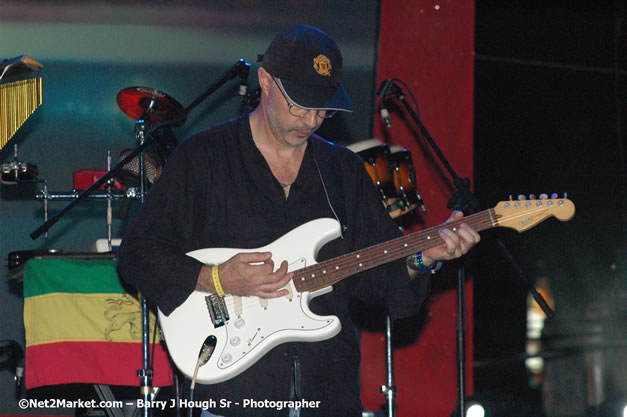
{"x":137,"y":101}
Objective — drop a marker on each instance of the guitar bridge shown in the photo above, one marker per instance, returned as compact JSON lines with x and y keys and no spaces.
{"x":217,"y":309}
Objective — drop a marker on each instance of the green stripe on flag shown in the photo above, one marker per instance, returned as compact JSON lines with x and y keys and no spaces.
{"x":71,"y":275}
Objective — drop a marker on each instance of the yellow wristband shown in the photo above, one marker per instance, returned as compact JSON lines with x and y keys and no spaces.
{"x":216,"y":280}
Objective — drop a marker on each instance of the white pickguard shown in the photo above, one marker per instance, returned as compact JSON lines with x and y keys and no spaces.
{"x":255,"y":325}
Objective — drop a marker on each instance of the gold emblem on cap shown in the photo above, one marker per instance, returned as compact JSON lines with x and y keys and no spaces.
{"x":322,"y":65}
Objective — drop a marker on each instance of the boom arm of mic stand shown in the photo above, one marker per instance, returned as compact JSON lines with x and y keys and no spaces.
{"x":239,"y":66}
{"x":463,"y":197}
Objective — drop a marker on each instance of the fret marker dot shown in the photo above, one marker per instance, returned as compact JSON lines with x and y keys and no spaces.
{"x":360,"y":265}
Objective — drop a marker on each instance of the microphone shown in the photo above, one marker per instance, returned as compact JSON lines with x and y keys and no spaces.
{"x":243,"y":78}
{"x":385,"y":115}
{"x":383,"y":92}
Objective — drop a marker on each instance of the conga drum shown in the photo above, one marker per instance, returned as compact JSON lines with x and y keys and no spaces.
{"x":376,"y":160}
{"x":404,"y":179}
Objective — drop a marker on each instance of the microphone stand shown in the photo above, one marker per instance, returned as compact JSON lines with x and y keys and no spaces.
{"x":463,"y":199}
{"x":145,"y":136}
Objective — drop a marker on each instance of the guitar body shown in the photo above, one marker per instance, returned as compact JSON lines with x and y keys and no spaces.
{"x":254,"y":325}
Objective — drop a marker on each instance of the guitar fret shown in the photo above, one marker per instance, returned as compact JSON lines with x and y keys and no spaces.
{"x":352,"y":263}
{"x":355,"y":262}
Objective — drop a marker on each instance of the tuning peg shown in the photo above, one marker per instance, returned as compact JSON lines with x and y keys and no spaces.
{"x":544,"y":196}
{"x":532,"y":197}
{"x":511,"y":197}
{"x":565,"y":195}
{"x":522,"y":197}
{"x":554,"y":195}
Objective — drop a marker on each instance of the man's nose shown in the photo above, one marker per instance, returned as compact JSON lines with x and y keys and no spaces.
{"x":311,"y":119}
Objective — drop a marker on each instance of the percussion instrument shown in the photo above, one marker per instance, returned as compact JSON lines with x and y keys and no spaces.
{"x":376,"y":159}
{"x":404,"y":177}
{"x":18,"y":99}
{"x":135,"y":102}
{"x":392,"y":171}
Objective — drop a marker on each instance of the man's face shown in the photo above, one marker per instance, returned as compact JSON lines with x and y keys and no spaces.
{"x":290,"y":130}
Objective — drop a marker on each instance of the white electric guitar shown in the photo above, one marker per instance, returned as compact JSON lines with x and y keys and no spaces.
{"x":243,"y":329}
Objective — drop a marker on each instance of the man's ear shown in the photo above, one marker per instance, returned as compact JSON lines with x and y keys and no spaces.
{"x":265,"y":80}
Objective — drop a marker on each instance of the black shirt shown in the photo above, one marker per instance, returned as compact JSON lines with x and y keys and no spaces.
{"x":218,"y":191}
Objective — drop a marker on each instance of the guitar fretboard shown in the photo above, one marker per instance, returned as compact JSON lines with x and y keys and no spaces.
{"x":329,"y":272}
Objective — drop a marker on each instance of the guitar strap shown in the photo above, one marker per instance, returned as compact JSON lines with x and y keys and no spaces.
{"x":328,"y":165}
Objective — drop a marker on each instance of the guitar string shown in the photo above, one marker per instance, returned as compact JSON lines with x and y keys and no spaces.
{"x":380,"y":254}
{"x":479,"y":221}
{"x":347,"y":262}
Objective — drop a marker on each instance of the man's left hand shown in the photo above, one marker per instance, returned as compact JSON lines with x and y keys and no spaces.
{"x":456,"y":243}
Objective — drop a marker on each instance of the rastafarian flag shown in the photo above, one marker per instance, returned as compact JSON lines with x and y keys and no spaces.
{"x":82,"y":326}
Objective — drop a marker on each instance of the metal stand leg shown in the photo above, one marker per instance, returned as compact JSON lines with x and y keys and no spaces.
{"x":145,"y":373}
{"x":461,"y":340}
{"x":389,"y":390}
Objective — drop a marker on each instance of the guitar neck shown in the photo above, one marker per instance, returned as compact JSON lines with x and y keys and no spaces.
{"x":331,"y":271}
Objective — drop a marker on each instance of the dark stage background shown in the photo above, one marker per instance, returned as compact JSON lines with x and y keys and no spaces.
{"x":550,"y":106}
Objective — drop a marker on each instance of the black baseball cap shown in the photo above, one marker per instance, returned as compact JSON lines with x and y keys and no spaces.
{"x":308,"y":66}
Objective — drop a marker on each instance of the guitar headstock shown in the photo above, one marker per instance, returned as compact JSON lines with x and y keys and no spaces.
{"x":524,"y":214}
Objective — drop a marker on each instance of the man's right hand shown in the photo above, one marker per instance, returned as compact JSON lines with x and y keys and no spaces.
{"x":248,"y":274}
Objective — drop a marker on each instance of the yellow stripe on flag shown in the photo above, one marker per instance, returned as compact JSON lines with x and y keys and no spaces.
{"x":78,"y":317}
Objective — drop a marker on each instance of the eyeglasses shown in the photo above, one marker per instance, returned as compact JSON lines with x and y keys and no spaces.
{"x":297,"y":111}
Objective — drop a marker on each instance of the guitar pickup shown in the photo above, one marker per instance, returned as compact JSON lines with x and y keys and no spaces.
{"x":217,"y":309}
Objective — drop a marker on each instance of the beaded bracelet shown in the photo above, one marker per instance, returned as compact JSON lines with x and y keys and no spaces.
{"x":416,"y":263}
{"x":216,"y":280}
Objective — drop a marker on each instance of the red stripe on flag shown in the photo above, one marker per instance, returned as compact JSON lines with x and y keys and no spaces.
{"x":92,"y":363}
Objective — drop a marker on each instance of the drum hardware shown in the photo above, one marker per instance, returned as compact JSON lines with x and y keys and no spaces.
{"x":148,"y":107}
{"x":153,"y":111}
{"x":18,"y":171}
